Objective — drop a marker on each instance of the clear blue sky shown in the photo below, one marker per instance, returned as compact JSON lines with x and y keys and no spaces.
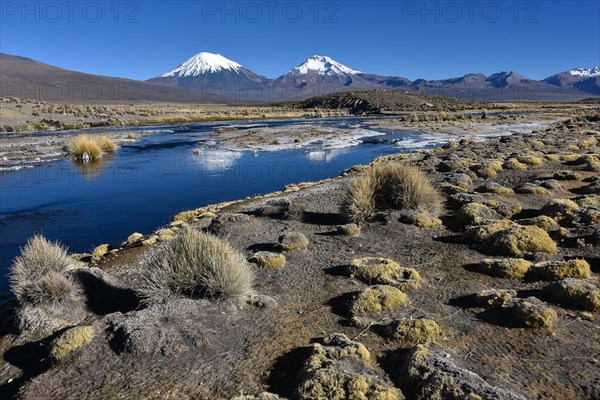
{"x":414,"y":39}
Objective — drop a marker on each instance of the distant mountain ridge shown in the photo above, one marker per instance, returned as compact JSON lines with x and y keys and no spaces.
{"x":585,"y":79}
{"x":27,"y":78}
{"x":320,"y":75}
{"x":212,"y":78}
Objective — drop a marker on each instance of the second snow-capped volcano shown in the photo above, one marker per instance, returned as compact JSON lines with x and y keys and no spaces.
{"x":322,"y":65}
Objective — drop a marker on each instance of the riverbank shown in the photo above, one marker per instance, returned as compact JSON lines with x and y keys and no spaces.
{"x":265,"y":345}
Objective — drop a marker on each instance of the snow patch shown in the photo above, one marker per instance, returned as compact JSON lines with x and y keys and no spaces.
{"x":203,"y":63}
{"x":323,"y":65}
{"x":586,"y":72}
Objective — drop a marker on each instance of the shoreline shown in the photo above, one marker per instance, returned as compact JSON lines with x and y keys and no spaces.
{"x":207,"y":212}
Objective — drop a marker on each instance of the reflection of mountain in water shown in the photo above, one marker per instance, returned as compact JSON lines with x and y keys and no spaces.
{"x":324,"y":155}
{"x":217,"y":160}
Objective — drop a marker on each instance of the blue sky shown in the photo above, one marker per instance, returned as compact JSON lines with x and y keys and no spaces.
{"x":414,"y":39}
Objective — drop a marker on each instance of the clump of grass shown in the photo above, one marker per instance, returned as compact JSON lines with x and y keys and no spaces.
{"x":48,"y":297}
{"x":81,"y":145}
{"x":196,"y":264}
{"x":390,"y":185}
{"x":84,"y":144}
{"x":359,"y":202}
{"x":106,"y":144}
{"x":37,"y":270}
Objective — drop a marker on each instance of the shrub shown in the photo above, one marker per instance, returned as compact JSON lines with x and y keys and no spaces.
{"x":513,"y":268}
{"x":390,"y":185}
{"x":533,"y":313}
{"x":557,"y":270}
{"x":575,"y":293}
{"x":383,"y":271}
{"x":541,"y":221}
{"x":106,"y":144}
{"x":196,"y":264}
{"x":422,"y":219}
{"x":514,"y":164}
{"x":475,"y":213}
{"x":267,"y":259}
{"x":84,"y":144}
{"x":377,"y":299}
{"x":530,"y":160}
{"x":414,"y":330}
{"x":519,"y":240}
{"x":71,"y":341}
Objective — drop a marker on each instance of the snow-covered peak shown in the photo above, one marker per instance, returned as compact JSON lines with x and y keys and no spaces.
{"x":323,"y":65}
{"x":203,"y":63}
{"x":586,"y":72}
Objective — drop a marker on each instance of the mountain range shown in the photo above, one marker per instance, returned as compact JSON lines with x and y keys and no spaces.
{"x":208,"y":78}
{"x":319,"y":75}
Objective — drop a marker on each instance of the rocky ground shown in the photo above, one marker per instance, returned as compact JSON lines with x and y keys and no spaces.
{"x":490,"y":301}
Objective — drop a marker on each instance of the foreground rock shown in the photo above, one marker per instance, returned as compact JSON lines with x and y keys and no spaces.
{"x":341,"y":369}
{"x":430,"y":373}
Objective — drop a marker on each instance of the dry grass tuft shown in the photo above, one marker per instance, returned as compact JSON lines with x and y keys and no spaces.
{"x":106,"y":144}
{"x":36,"y":276}
{"x":390,"y":185}
{"x":196,"y":264}
{"x":49,"y":299}
{"x":84,"y":144}
{"x":359,"y":202}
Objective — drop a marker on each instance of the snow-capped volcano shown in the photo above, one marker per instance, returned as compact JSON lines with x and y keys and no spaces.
{"x":215,"y":74}
{"x":323,"y":65}
{"x":585,"y":72}
{"x":203,"y":63}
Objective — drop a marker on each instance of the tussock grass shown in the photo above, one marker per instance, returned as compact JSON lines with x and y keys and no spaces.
{"x":390,"y":185}
{"x":37,"y":276}
{"x":82,"y":144}
{"x":106,"y":144}
{"x":49,"y":299}
{"x":359,"y":203}
{"x":196,"y":264}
